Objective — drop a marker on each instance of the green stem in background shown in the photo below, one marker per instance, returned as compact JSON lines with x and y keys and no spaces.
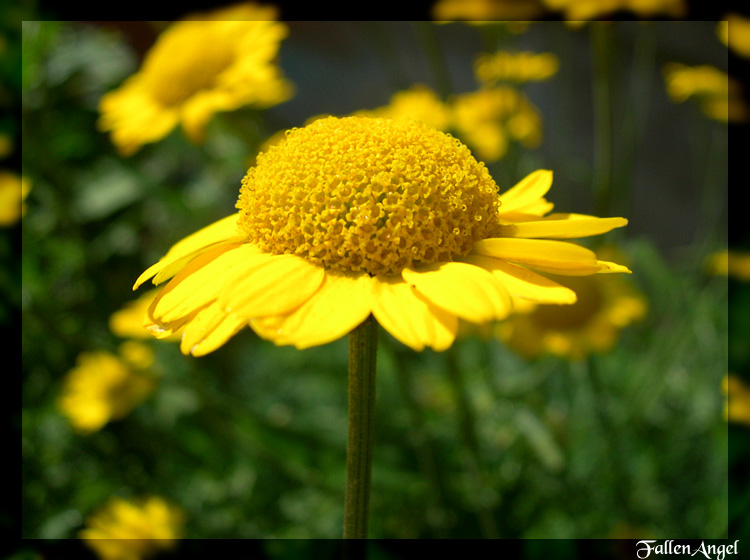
{"x":602,"y":45}
{"x":426,"y":32}
{"x":363,"y":345}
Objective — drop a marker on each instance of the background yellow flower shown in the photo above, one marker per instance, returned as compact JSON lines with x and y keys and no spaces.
{"x":133,"y":529}
{"x":200,"y":66}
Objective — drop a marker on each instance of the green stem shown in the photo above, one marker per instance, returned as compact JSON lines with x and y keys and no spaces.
{"x":363,"y":344}
{"x":601,"y":40}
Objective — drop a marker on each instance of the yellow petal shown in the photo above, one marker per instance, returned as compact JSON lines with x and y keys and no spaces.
{"x":559,"y":257}
{"x":605,"y":267}
{"x":523,"y":283}
{"x":468,"y":291}
{"x":562,"y":226}
{"x":210,"y":329}
{"x":528,"y":191}
{"x":270,"y":285}
{"x":201,"y":281}
{"x":410,"y":317}
{"x":182,"y":251}
{"x":341,"y":303}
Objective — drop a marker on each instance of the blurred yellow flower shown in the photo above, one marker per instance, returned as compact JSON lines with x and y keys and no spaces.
{"x":737,"y":406}
{"x":418,"y":103}
{"x":718,"y":94}
{"x":133,"y":529}
{"x":734,"y":32}
{"x":103,"y":387}
{"x":592,"y":324}
{"x":487,"y":119}
{"x":515,"y":67}
{"x":730,"y":263}
{"x":6,"y":145}
{"x":587,"y":10}
{"x":487,"y":11}
{"x":356,"y":216}
{"x":208,"y":63}
{"x":127,"y":322}
{"x":13,"y":192}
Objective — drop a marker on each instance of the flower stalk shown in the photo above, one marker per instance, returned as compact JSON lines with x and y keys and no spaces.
{"x":363,"y":344}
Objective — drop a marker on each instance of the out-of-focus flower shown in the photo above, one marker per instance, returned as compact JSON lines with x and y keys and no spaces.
{"x":487,"y":119}
{"x":418,"y":103}
{"x":730,"y":263}
{"x":587,"y":10}
{"x":208,"y":63}
{"x":737,"y":406}
{"x":6,"y":145}
{"x":13,"y":192}
{"x":592,"y":324}
{"x":734,"y":32}
{"x":103,"y":387}
{"x":357,"y":216}
{"x":127,"y":322}
{"x":507,"y":66}
{"x":719,"y":95}
{"x":133,"y":529}
{"x":487,"y":11}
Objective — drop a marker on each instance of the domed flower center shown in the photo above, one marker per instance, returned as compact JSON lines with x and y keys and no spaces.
{"x":366,"y":194}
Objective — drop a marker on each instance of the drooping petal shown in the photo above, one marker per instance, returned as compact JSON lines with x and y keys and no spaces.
{"x":270,"y":285}
{"x":562,"y":226}
{"x":527,"y":191}
{"x":201,"y":281}
{"x":410,"y":317}
{"x":524,"y":283}
{"x":224,"y":230}
{"x":559,"y":257}
{"x":468,"y":291}
{"x":342,"y":302}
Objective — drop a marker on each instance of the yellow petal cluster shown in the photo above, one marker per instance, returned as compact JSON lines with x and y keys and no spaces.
{"x":104,"y":386}
{"x":13,"y":192}
{"x":205,"y":64}
{"x":737,"y":406}
{"x":368,"y":194}
{"x":586,"y":10}
{"x":718,"y":94}
{"x":734,"y":32}
{"x":592,"y":324}
{"x":133,"y":529}
{"x":518,"y":67}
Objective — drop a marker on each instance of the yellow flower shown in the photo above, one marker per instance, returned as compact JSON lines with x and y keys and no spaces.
{"x":222,"y":61}
{"x":719,"y":95}
{"x":132,"y":530}
{"x":587,"y":10}
{"x":417,"y":103}
{"x":487,"y":11}
{"x":737,"y":406}
{"x":591,"y":325}
{"x":738,"y":39}
{"x":13,"y":192}
{"x":103,"y":387}
{"x":487,"y":119}
{"x":352,"y":216}
{"x":128,"y":321}
{"x":515,"y":67}
{"x":730,"y":263}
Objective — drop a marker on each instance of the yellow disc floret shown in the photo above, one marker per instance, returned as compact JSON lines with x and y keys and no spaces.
{"x":361,"y":194}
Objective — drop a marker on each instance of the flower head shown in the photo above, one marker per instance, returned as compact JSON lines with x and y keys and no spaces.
{"x":591,"y":325}
{"x":133,"y":529}
{"x":210,"y":63}
{"x":737,"y":405}
{"x":719,"y":95}
{"x":738,"y":39}
{"x":103,"y":386}
{"x":360,"y":215}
